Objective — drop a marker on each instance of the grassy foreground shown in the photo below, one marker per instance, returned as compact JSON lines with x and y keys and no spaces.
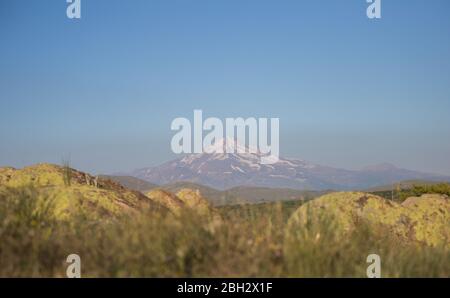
{"x":248,"y":241}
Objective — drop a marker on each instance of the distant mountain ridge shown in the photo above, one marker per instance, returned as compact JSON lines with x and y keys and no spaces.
{"x":227,"y":170}
{"x":237,"y":195}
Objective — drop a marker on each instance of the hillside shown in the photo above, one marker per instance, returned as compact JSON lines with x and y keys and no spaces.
{"x":255,"y":195}
{"x":242,"y":194}
{"x":212,"y":195}
{"x":182,"y":235}
{"x":73,"y":192}
{"x":131,"y":182}
{"x":418,"y":219}
{"x":402,"y":185}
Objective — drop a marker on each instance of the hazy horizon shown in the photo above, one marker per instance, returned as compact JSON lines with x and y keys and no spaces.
{"x":102,"y":91}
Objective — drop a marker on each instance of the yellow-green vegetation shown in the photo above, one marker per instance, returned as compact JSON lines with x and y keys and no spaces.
{"x":269,"y":240}
{"x":420,"y":189}
{"x":74,"y":192}
{"x":401,"y":191}
{"x":424,"y":219}
{"x":185,"y":198}
{"x":194,"y":200}
{"x":166,"y":199}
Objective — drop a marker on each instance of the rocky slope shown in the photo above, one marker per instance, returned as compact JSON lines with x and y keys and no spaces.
{"x":73,"y":192}
{"x":131,"y":182}
{"x":422,"y":219}
{"x":185,"y":198}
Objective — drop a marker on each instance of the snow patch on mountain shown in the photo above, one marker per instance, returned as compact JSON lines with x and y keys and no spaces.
{"x":226,"y":170}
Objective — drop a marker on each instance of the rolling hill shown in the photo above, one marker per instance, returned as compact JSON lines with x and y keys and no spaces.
{"x":73,"y":192}
{"x":131,"y":182}
{"x":402,"y":185}
{"x":236,"y":195}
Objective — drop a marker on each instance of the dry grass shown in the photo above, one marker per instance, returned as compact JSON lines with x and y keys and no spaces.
{"x":251,"y":241}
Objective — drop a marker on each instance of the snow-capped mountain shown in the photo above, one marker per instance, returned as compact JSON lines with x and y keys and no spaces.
{"x":226,"y":170}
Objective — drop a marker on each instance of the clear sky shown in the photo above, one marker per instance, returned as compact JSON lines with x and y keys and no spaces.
{"x":103,"y":90}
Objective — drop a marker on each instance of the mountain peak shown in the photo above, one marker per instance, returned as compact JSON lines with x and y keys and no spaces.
{"x":229,"y":144}
{"x":221,"y":149}
{"x":227,"y":170}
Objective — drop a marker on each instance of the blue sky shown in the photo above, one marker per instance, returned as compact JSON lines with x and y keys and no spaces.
{"x":103,"y":90}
